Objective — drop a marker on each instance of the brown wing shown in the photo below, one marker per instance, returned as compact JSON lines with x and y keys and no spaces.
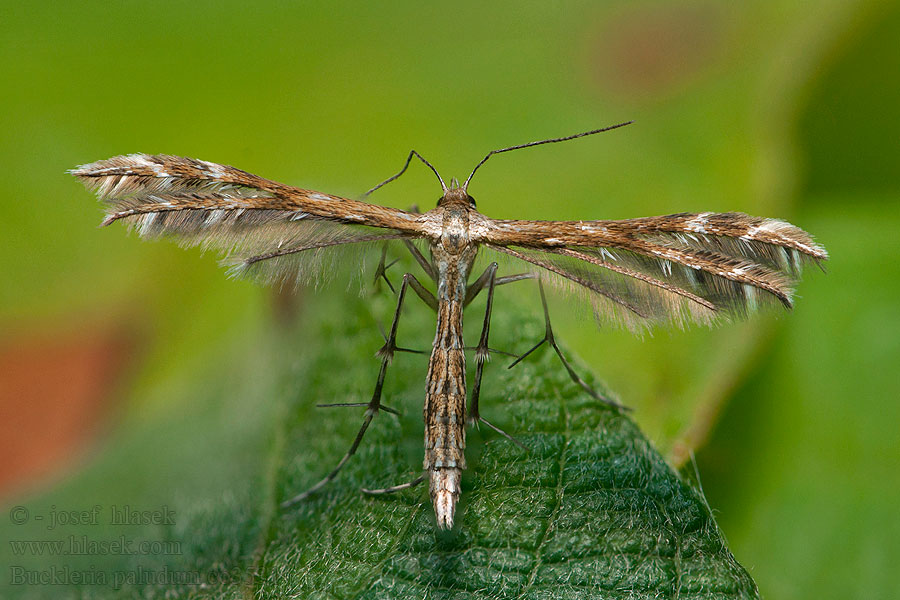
{"x":689,"y":267}
{"x":266,"y":229}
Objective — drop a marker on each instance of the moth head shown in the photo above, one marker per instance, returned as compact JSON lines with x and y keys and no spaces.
{"x":456,"y":194}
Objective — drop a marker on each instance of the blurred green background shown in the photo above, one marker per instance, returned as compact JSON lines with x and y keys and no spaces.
{"x":772,"y":108}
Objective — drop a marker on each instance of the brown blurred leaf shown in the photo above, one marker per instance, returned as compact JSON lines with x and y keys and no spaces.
{"x":54,"y":393}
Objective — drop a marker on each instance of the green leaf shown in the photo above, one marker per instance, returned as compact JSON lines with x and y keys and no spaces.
{"x":590,"y":510}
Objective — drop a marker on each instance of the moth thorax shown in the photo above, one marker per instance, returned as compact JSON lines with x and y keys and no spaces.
{"x":455,"y":230}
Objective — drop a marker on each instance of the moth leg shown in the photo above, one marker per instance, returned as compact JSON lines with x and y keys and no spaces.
{"x":503,"y":433}
{"x":386,"y":353}
{"x":550,"y":339}
{"x":482,"y":351}
{"x":476,"y":286}
{"x":393,"y":411}
{"x":381,"y":269}
{"x":423,"y":262}
{"x":396,"y":349}
{"x":421,"y":291}
{"x":397,"y":488}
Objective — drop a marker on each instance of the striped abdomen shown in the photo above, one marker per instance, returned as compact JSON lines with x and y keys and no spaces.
{"x":445,"y":409}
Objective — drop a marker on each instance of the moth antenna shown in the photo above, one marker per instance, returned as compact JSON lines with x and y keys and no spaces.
{"x":403,"y":170}
{"x":550,"y":141}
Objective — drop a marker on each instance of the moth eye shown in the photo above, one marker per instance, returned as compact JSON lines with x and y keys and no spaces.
{"x":471,"y":201}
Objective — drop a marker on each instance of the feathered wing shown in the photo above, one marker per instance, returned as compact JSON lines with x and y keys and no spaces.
{"x":689,"y":267}
{"x":266,"y":229}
